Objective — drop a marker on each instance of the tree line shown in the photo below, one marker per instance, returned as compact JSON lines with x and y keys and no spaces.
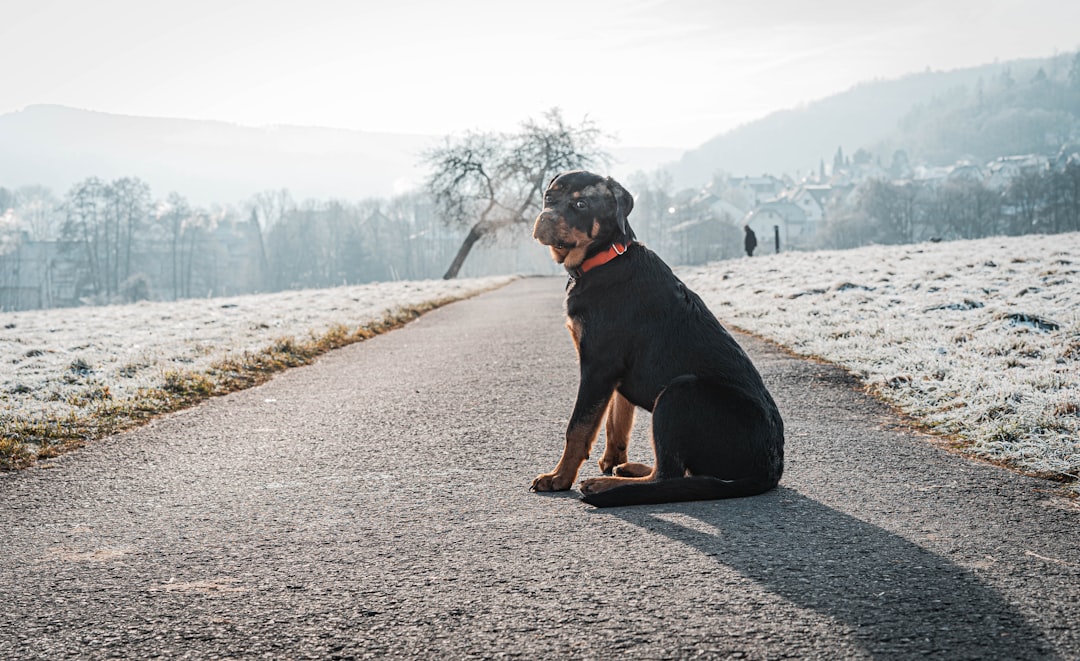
{"x":1022,"y":110}
{"x":112,"y":241}
{"x":119,"y":244}
{"x":1038,"y":201}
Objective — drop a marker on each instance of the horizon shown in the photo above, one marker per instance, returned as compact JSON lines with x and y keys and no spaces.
{"x":664,"y":74}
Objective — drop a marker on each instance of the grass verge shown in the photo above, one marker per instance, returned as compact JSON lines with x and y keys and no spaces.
{"x":947,"y":439}
{"x":27,"y":439}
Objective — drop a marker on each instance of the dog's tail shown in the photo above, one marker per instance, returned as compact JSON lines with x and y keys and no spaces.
{"x":677,"y":490}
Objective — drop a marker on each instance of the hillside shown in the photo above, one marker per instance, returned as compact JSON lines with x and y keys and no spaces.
{"x":935,"y":116}
{"x":210,"y":162}
{"x":879,"y":115}
{"x":206,"y":161}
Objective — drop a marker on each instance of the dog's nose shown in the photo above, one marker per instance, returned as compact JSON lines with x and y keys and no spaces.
{"x":547,"y":216}
{"x":545,"y":220}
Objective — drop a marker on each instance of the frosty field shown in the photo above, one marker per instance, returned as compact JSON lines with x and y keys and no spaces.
{"x":74,"y":373}
{"x":978,"y":340}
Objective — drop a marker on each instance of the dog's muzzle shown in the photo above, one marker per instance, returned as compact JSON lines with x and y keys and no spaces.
{"x":546,"y":229}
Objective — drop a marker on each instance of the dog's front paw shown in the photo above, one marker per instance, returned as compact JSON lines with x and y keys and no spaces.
{"x":608,"y":463}
{"x":551,"y":482}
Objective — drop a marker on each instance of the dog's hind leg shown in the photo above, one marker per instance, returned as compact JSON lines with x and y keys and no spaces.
{"x":705,"y":428}
{"x":598,"y":484}
{"x":620,"y":421}
{"x":632,"y":469}
{"x":710,"y":440}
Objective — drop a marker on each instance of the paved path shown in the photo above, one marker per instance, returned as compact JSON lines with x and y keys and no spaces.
{"x":375,"y":504}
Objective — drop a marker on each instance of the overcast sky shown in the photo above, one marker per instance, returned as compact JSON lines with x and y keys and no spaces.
{"x":653,"y":72}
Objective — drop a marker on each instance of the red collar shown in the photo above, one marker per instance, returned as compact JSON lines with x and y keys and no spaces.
{"x":601,"y":258}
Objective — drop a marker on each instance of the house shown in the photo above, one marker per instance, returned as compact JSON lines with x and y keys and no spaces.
{"x":931,"y":175}
{"x":798,"y":212}
{"x":858,"y":173}
{"x":812,"y":199}
{"x":41,"y":274}
{"x":704,"y":227}
{"x":758,"y":189}
{"x":1003,"y":170}
{"x":709,"y":204}
{"x":965,"y":171}
{"x":787,"y":217}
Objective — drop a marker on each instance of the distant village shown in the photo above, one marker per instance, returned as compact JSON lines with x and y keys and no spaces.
{"x":786,"y":214}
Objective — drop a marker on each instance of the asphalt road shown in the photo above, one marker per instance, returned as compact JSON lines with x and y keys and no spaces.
{"x":376,"y":504}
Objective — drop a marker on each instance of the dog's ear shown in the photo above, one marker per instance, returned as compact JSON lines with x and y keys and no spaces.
{"x":624,"y":204}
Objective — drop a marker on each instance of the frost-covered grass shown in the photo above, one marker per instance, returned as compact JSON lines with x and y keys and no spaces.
{"x":73,"y":374}
{"x":979,"y":340}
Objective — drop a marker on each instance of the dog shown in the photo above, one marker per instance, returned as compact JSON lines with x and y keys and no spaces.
{"x":645,"y":340}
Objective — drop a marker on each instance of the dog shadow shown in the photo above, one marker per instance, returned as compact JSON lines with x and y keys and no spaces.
{"x":898,"y":599}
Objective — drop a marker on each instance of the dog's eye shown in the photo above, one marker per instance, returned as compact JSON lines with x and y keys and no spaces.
{"x":580,"y":204}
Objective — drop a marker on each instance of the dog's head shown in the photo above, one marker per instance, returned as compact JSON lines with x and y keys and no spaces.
{"x":583,"y":210}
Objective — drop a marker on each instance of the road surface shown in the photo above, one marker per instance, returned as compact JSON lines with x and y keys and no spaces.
{"x":376,"y":505}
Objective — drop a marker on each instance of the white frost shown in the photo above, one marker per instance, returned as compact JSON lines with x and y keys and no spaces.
{"x":53,"y":361}
{"x":978,"y":339}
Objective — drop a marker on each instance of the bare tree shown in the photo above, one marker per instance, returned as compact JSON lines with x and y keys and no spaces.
{"x":271,"y":206}
{"x":171,"y":216}
{"x":893,"y":207}
{"x":39,"y":209}
{"x":654,"y":209}
{"x":491,"y":181}
{"x":103,"y":219}
{"x":128,"y":208}
{"x":195,"y":234}
{"x":1026,"y":196}
{"x":84,"y":228}
{"x":965,"y":209}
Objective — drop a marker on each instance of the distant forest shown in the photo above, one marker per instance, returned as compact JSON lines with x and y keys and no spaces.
{"x":1033,"y":111}
{"x":1039,"y":201}
{"x":937,"y":117}
{"x":112,"y":242}
{"x":1026,"y":108}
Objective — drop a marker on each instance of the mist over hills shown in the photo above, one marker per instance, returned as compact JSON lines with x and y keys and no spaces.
{"x":210,"y":162}
{"x":868,"y":116}
{"x":206,"y":161}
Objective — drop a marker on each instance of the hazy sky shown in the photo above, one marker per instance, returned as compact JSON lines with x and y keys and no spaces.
{"x":656,"y":73}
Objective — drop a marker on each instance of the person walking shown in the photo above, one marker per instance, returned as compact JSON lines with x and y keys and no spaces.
{"x":750,"y":241}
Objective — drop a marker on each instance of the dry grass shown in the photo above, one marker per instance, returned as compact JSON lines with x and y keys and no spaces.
{"x":94,"y":412}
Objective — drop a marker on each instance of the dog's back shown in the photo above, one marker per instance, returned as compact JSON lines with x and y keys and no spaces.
{"x":639,"y":312}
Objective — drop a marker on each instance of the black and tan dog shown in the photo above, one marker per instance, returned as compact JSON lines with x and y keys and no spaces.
{"x":644,"y":339}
